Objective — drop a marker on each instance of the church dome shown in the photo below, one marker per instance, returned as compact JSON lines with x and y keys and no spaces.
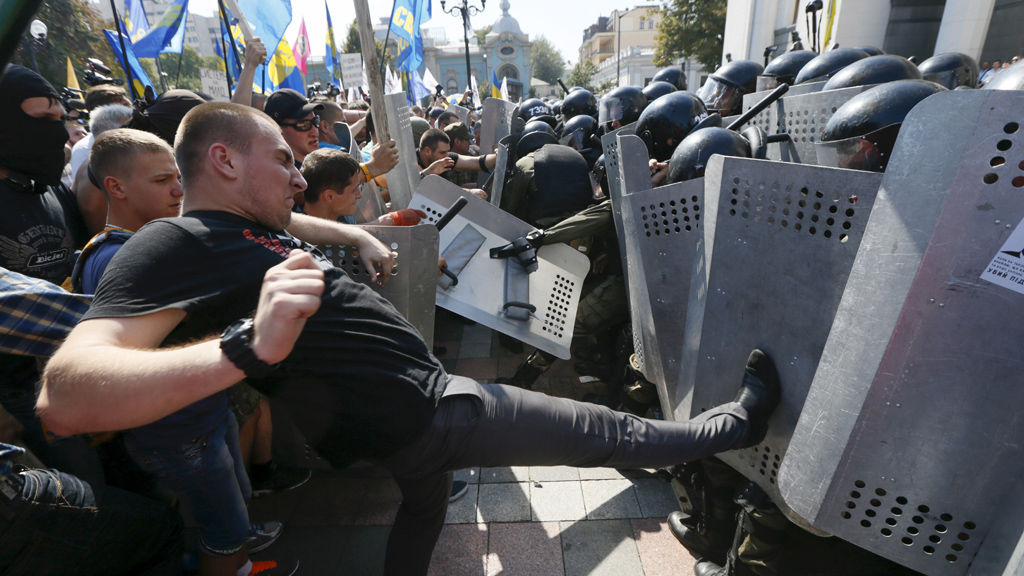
{"x":506,"y":23}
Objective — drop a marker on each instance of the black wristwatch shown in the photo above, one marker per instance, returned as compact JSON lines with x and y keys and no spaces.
{"x":236,"y":343}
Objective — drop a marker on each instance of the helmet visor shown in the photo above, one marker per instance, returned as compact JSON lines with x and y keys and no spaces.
{"x":720,"y":97}
{"x":767,"y":83}
{"x":870,"y":152}
{"x":948,"y":78}
{"x":575,"y":139}
{"x":610,"y":111}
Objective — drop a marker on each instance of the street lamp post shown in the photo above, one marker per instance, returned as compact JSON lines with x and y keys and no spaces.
{"x":618,"y":49}
{"x":465,"y":10}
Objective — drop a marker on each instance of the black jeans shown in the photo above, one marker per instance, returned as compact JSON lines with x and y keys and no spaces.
{"x":495,"y":425}
{"x":54,"y":524}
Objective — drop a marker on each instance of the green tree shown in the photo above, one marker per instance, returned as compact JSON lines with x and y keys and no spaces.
{"x":546,"y":61}
{"x":481,"y":33}
{"x":352,"y":43}
{"x":691,"y":28}
{"x":581,"y":75}
{"x":188,"y":76}
{"x":73,"y":30}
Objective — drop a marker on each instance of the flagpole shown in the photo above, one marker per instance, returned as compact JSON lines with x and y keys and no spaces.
{"x":124,"y":52}
{"x":231,"y":38}
{"x":156,"y":60}
{"x":177,"y":77}
{"x":387,"y":35}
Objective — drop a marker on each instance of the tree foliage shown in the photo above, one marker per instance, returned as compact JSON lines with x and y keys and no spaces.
{"x":74,"y":30}
{"x":582,"y":73}
{"x":481,"y":33}
{"x":546,"y":61}
{"x":352,"y":43}
{"x":691,"y":28}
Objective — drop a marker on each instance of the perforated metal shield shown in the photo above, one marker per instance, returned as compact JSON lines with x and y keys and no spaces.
{"x":665,"y":228}
{"x":495,"y":122}
{"x":554,"y":289}
{"x":802,"y":113}
{"x":405,"y":177}
{"x":411,"y":286}
{"x":778,"y":242}
{"x":910,"y":441}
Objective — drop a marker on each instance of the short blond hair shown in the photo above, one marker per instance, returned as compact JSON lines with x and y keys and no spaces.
{"x":115,"y":152}
{"x":233,"y":125}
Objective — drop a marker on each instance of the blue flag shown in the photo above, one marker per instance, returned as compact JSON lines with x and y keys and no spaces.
{"x":177,"y":43}
{"x":232,"y":64}
{"x":269,"y":19}
{"x":417,"y":88}
{"x":283,"y":72}
{"x":139,"y":77}
{"x":407,"y":17}
{"x":331,"y":60}
{"x":134,"y":23}
{"x":161,"y":35}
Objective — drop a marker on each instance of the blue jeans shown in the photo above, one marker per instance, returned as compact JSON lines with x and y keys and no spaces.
{"x":208,"y":474}
{"x":55,"y":525}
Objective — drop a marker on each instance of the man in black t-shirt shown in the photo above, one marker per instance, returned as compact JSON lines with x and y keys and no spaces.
{"x":357,"y":376}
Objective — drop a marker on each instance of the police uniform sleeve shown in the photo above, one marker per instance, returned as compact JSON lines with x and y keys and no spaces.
{"x":513,"y":195}
{"x":590,"y":222}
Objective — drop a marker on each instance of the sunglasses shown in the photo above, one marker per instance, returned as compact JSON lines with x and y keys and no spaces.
{"x":304,"y":125}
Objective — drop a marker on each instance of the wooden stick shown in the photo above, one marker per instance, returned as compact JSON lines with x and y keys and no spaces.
{"x":372,"y":63}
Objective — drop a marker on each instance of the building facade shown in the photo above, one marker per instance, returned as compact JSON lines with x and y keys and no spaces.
{"x":982,"y":29}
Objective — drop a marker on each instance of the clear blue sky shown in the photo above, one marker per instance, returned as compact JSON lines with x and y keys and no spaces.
{"x":560,"y":21}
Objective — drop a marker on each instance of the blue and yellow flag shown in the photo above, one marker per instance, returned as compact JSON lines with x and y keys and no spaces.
{"x":407,"y":17}
{"x":232,"y":64}
{"x":139,"y":77}
{"x":495,"y":90}
{"x":269,"y":19}
{"x":134,"y":23}
{"x":161,"y":35}
{"x":331,"y":60}
{"x":283,"y":72}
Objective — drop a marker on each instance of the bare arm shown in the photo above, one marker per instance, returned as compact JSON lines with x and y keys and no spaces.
{"x":375,"y":256}
{"x":109,"y":375}
{"x":383,"y":158}
{"x":473,"y":162}
{"x":255,"y":54}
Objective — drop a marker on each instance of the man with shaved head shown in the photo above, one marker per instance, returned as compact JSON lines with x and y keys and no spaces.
{"x":358,"y":378}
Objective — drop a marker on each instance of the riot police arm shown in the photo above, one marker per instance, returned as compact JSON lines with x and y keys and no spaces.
{"x":476,"y":163}
{"x":594,"y":220}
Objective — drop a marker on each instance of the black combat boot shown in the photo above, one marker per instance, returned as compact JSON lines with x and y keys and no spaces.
{"x":759,"y":395}
{"x":527,"y":373}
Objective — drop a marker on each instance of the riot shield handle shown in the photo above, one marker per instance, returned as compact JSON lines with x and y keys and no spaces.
{"x":456,"y":207}
{"x":757,"y":108}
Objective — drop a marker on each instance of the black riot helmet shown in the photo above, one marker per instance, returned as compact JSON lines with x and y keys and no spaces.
{"x":578,"y":102}
{"x":724,"y":89}
{"x":690,"y":158}
{"x":951,"y":69}
{"x":1010,"y":79}
{"x":783,"y":69}
{"x":535,"y":134}
{"x":826,"y":65}
{"x":556,"y":107}
{"x":871,"y":50}
{"x":533,"y":107}
{"x":665,"y":123}
{"x":673,"y":75}
{"x":874,"y":70}
{"x":580,"y":132}
{"x":656,"y":89}
{"x":861,"y":133}
{"x":622,"y":105}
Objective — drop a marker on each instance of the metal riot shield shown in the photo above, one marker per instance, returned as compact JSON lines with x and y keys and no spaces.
{"x":405,"y":177}
{"x":495,"y":122}
{"x":553,"y":290}
{"x":777,"y":244}
{"x":663,"y":232}
{"x":499,"y":173}
{"x":371,"y":205}
{"x":461,"y":111}
{"x":411,"y":286}
{"x":910,"y":442}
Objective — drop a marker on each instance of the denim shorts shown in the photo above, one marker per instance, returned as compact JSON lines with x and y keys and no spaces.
{"x":208,"y":474}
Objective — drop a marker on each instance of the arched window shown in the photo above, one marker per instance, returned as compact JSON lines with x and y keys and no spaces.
{"x":508,"y":71}
{"x":452,"y":86}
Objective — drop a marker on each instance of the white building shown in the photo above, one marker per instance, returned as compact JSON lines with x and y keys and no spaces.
{"x":982,"y":29}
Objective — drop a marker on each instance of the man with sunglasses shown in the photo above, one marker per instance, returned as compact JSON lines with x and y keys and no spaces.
{"x":298,"y":119}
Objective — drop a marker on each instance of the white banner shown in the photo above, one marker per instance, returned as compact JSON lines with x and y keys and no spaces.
{"x":215,"y":83}
{"x":351,"y":70}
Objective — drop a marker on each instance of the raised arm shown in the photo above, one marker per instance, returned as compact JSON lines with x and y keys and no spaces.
{"x":109,"y":374}
{"x":476,"y":163}
{"x":255,"y":54}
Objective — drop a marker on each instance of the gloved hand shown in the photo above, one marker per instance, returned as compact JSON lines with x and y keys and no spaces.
{"x":405,"y":217}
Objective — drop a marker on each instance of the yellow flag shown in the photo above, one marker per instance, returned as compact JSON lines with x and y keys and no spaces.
{"x":72,"y":79}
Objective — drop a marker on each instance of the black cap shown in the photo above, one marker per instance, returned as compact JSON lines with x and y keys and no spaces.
{"x":288,"y":104}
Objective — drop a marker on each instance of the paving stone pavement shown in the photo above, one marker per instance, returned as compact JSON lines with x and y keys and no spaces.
{"x":534,"y":521}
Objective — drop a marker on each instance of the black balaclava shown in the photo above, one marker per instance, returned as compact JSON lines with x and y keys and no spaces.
{"x":32,"y":146}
